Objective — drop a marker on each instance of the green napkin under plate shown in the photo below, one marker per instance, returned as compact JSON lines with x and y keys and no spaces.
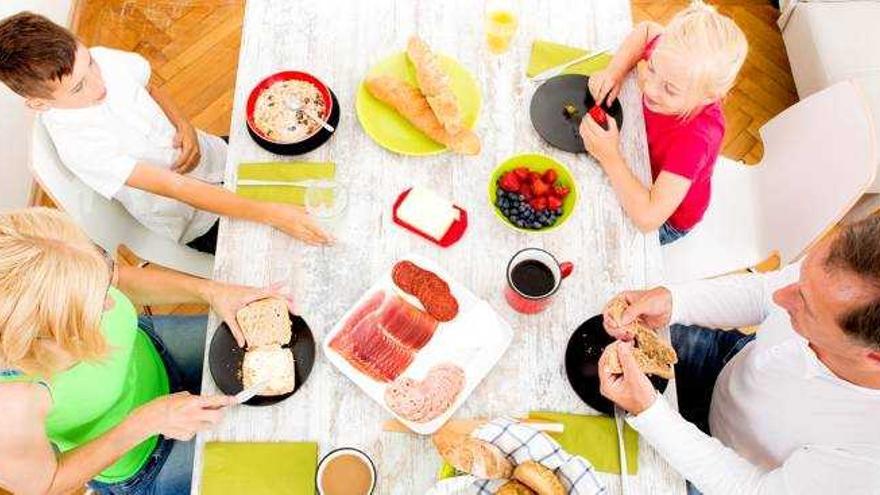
{"x":546,"y":55}
{"x":271,"y":468}
{"x":282,"y":172}
{"x":594,"y":438}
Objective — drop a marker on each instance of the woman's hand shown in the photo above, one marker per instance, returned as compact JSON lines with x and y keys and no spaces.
{"x":180,"y":416}
{"x":605,"y":86}
{"x":603,"y":144}
{"x":227,"y":299}
{"x":294,"y":221}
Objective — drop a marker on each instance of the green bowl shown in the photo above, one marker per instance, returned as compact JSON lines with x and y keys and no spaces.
{"x":538,"y":163}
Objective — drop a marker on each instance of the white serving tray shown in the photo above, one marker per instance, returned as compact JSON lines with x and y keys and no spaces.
{"x":474,"y":340}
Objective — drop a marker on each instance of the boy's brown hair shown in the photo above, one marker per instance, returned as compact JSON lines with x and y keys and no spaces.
{"x":33,"y":52}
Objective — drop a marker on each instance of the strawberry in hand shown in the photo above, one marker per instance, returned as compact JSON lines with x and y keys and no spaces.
{"x":599,"y":115}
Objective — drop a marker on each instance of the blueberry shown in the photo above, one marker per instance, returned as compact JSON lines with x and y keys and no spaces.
{"x":536,"y":225}
{"x":523,"y":207}
{"x":520,"y":223}
{"x":558,"y":212}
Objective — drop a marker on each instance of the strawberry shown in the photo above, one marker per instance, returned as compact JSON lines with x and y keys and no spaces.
{"x":526,"y":190}
{"x":509,"y":182}
{"x":522,"y":173}
{"x":539,"y":204}
{"x":560,"y":191}
{"x":533,"y":176}
{"x":599,"y":115}
{"x":554,"y":203}
{"x":540,"y":188}
{"x":550,"y":176}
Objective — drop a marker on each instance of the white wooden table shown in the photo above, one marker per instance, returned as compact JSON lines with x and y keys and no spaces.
{"x":338,"y":41}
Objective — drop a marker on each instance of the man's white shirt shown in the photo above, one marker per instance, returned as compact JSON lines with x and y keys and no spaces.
{"x":782,"y":422}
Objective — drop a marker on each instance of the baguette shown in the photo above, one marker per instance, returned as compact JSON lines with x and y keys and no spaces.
{"x":539,"y":478}
{"x":409,"y":102}
{"x":434,"y":83}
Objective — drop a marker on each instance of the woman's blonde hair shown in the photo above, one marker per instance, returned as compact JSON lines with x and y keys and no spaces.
{"x":53,"y":282}
{"x":713,"y":45}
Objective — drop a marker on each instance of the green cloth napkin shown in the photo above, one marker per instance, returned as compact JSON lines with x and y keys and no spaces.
{"x":546,"y":55}
{"x":282,"y":171}
{"x":260,"y":468}
{"x":595,"y":439}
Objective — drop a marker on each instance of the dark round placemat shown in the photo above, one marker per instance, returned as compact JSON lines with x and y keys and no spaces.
{"x":582,"y":355}
{"x":310,"y":144}
{"x":549,"y":118}
{"x":225,"y":358}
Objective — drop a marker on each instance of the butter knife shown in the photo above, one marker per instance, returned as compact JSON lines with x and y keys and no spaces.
{"x":555,"y":71}
{"x":621,"y":449}
{"x":249,"y":393}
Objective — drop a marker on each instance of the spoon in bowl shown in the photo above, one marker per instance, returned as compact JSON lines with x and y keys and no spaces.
{"x":296,"y":105}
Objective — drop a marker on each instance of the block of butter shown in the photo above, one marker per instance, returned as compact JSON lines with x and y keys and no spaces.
{"x":428,"y":212}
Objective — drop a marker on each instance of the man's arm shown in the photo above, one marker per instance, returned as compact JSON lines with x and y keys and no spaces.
{"x":718,"y":470}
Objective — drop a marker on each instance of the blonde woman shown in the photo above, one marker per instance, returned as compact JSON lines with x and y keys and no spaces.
{"x":90,"y":392}
{"x":690,"y":65}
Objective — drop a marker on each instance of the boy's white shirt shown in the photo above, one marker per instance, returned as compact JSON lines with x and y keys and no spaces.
{"x":782,"y":422}
{"x":101,"y":145}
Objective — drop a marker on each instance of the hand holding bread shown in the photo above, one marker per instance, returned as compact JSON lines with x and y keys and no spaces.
{"x":630,"y":388}
{"x":653,"y":356}
{"x":227,"y":299}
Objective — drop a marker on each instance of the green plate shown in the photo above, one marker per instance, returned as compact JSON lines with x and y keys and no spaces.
{"x":538,"y":163}
{"x":395,"y":133}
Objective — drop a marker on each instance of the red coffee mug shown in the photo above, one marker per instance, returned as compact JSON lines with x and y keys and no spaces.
{"x":533,"y":278}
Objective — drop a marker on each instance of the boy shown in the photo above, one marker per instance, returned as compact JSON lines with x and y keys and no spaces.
{"x":126,"y":140}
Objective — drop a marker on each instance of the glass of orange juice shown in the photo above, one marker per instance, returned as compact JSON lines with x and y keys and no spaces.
{"x":500,"y":28}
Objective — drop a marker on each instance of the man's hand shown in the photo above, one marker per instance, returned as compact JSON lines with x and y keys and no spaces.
{"x":603,"y":144}
{"x":187,"y":141}
{"x":653,"y":306}
{"x":295,"y":222}
{"x":631,"y":390}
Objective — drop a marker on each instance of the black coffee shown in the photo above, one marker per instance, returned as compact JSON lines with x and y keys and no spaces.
{"x":533,"y":278}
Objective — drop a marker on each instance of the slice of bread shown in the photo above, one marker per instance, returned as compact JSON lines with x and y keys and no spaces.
{"x":654,"y":356}
{"x":271,"y":363}
{"x":265,"y":322}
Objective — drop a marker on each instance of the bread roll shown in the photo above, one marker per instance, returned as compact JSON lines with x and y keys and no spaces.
{"x":409,"y":102}
{"x":654,"y":356}
{"x":479,"y":458}
{"x":538,"y":478}
{"x":265,"y":322}
{"x":514,"y":488}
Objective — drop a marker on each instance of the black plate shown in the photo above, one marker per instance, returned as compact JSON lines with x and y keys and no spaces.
{"x":305,"y":146}
{"x":549,"y":117}
{"x":225,"y":358}
{"x":582,"y":364}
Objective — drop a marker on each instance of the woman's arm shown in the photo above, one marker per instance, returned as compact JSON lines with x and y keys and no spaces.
{"x":27,"y":460}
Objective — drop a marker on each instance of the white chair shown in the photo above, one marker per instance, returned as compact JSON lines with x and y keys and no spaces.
{"x":819,"y":158}
{"x":106,"y":222}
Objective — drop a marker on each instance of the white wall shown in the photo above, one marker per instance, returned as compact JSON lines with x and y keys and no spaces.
{"x":15,"y":119}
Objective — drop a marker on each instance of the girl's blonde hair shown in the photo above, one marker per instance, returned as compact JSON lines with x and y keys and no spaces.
{"x":713,"y":45}
{"x":53,"y":282}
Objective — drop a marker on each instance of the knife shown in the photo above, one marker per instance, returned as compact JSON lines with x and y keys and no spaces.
{"x":249,"y":393}
{"x":555,"y":71}
{"x":621,"y":450}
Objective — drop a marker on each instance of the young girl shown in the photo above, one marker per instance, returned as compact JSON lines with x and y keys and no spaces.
{"x":690,"y":66}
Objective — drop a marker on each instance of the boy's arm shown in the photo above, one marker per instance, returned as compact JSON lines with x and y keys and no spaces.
{"x":186,"y":138}
{"x":630,"y":51}
{"x":290,"y":219}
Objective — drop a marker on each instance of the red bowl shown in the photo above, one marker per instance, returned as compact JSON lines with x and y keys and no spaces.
{"x":290,"y":75}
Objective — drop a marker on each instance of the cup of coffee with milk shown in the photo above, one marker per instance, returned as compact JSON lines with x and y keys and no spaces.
{"x":346,"y":471}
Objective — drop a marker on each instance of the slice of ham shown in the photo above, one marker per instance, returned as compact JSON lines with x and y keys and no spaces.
{"x":406,"y":324}
{"x":421,"y":401}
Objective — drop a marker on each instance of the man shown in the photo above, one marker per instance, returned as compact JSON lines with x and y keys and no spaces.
{"x":795,"y":408}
